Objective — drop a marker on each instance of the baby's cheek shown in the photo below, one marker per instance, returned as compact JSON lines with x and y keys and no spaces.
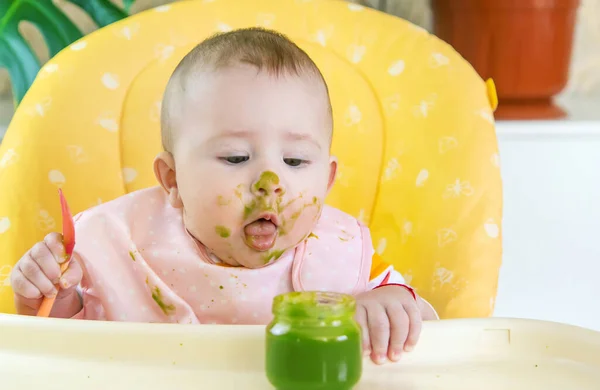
{"x":214,"y":220}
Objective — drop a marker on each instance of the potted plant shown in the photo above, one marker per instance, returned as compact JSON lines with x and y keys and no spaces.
{"x":58,"y":30}
{"x":524,"y":45}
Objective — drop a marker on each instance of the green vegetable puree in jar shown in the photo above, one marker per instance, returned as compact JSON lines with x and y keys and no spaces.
{"x":313,"y":342}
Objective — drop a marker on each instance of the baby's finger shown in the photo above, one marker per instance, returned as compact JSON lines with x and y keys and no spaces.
{"x":399,"y":324}
{"x":54,"y":242}
{"x":416,"y":323}
{"x":47,"y":262}
{"x":379,"y":332}
{"x":361,"y":319}
{"x":23,"y":287}
{"x":32,"y":271}
{"x":72,"y":275}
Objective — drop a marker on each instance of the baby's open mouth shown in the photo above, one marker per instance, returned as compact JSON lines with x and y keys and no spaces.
{"x":261,"y":234}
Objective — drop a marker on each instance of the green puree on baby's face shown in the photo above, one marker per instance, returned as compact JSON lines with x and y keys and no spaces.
{"x":222,"y":231}
{"x":267,"y":180}
{"x":273,"y":255}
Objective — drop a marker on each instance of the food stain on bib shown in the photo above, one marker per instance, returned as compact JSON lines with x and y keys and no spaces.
{"x":158,"y":298}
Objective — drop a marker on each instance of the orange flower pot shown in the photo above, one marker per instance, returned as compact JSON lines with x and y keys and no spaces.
{"x":524,"y":45}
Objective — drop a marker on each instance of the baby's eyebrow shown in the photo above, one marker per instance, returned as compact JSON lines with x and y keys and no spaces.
{"x":294,"y":136}
{"x":237,"y":134}
{"x":289,"y":135}
{"x":229,"y":134}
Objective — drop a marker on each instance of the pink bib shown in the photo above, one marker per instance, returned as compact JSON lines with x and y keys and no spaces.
{"x":140,"y":264}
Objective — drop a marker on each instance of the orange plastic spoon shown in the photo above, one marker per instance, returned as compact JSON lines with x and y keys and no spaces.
{"x":69,"y":242}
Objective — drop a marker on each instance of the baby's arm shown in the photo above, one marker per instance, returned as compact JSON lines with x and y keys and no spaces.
{"x":382,"y":273}
{"x":390,"y":314}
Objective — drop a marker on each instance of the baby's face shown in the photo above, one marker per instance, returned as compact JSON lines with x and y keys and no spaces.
{"x":252,"y":162}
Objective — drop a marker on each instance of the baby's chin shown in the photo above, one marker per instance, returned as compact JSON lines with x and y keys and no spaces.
{"x":257,"y":259}
{"x":244,"y":254}
{"x":257,"y":245}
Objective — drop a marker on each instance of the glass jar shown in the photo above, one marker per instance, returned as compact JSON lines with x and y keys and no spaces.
{"x":313,"y":342}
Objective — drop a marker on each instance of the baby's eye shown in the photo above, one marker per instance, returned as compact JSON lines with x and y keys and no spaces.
{"x":293,"y":162}
{"x":236,"y":159}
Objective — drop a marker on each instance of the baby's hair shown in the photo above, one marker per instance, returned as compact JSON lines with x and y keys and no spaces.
{"x":267,"y":50}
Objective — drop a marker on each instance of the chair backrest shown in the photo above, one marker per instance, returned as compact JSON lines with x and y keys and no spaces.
{"x":414,"y":131}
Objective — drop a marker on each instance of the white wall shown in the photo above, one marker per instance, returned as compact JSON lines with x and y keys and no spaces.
{"x":551,"y":264}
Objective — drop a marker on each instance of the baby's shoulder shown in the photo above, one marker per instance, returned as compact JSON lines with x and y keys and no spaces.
{"x":125,"y":209}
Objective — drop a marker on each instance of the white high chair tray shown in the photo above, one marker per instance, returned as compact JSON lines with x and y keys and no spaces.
{"x":456,"y":354}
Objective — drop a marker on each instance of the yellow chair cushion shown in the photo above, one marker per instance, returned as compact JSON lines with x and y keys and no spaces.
{"x":414,"y":132}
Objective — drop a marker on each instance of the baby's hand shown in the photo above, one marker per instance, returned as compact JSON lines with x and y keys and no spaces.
{"x":36,"y":275}
{"x":390,"y":320}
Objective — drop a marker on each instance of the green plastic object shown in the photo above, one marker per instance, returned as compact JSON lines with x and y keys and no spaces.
{"x":57,"y":29}
{"x":313,"y":342}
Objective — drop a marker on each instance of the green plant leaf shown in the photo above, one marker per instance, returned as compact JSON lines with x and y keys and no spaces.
{"x":56,"y":28}
{"x":102,"y":12}
{"x":127,"y":4}
{"x":16,"y":55}
{"x":21,"y":63}
{"x":4,"y":7}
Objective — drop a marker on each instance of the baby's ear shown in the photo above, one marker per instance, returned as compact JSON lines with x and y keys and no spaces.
{"x":332,"y":172}
{"x":164,"y":170}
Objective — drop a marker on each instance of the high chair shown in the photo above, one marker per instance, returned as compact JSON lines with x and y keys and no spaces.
{"x":414,"y":134}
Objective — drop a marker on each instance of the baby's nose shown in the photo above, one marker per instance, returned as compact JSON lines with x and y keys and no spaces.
{"x":268,"y":184}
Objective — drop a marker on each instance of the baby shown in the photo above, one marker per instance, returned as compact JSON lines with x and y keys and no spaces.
{"x":239,"y":215}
